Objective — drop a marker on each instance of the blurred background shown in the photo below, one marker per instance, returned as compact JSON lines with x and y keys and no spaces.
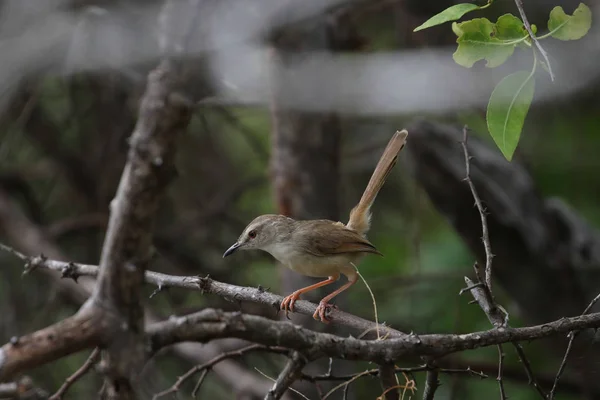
{"x":295,"y":101}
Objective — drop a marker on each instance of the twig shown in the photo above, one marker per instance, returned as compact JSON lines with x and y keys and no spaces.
{"x":519,"y":4}
{"x":483,"y":295}
{"x":199,"y":383}
{"x":291,"y":372}
{"x":374,"y":372}
{"x":527,"y":365}
{"x":89,"y":363}
{"x":431,"y":384}
{"x":500,"y":370}
{"x":208,"y":365}
{"x":273,"y":380}
{"x":485,"y":236}
{"x":389,"y":382}
{"x":571,"y":336}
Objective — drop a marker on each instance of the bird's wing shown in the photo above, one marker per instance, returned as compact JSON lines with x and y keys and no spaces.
{"x":334,"y":238}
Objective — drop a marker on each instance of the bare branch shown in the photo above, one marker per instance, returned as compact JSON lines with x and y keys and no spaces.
{"x":22,"y":389}
{"x":30,"y":238}
{"x":485,"y":236}
{"x":375,"y":372}
{"x":204,"y":368}
{"x":431,"y":384}
{"x":483,"y":294}
{"x":210,"y":324}
{"x":389,"y":383}
{"x":208,"y":285}
{"x":89,"y":363}
{"x":519,"y":4}
{"x":71,"y":335}
{"x":500,"y":370}
{"x":291,"y":372}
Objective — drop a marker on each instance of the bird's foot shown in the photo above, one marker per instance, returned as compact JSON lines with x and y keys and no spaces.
{"x":322,"y":311}
{"x":287,"y":304}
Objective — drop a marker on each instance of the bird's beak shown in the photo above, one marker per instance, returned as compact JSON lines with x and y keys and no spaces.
{"x":230,"y":250}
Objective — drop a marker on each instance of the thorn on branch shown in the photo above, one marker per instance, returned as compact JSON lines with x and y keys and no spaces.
{"x":70,"y":271}
{"x":158,"y":289}
{"x":33,"y":262}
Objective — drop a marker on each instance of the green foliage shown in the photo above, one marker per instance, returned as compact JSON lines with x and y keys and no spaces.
{"x":481,"y":39}
{"x":449,"y":14}
{"x":507,"y":109}
{"x":570,"y":27}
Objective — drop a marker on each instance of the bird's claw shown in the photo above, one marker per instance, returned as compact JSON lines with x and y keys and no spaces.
{"x":287,"y":304}
{"x":322,"y":310}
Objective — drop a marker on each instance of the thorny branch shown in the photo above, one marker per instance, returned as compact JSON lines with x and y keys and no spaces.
{"x":483,"y":293}
{"x":205,"y":285}
{"x":500,"y":370}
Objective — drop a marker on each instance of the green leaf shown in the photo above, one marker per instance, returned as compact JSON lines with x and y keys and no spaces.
{"x":449,"y":14}
{"x":570,"y":27}
{"x":509,"y":27}
{"x":480,"y":39}
{"x":507,"y":109}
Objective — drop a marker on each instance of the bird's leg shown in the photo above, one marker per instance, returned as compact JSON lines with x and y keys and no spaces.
{"x":288,"y":302}
{"x":324,"y":303}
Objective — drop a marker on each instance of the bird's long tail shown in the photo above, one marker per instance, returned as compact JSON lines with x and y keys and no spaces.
{"x":360,"y":216}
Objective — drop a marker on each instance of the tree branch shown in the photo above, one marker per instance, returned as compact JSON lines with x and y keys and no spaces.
{"x":207,"y":285}
{"x":84,"y":329}
{"x":291,"y":372}
{"x":431,"y":384}
{"x":89,"y":363}
{"x":211,"y":324}
{"x":30,"y":238}
{"x":389,"y":384}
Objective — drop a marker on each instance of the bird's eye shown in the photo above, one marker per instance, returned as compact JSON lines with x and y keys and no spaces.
{"x":252,"y":234}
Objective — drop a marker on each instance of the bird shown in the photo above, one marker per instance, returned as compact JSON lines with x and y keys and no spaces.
{"x":322,"y":248}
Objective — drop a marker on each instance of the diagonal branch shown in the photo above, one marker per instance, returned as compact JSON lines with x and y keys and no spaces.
{"x":519,"y":4}
{"x":205,"y":285}
{"x":291,"y":372}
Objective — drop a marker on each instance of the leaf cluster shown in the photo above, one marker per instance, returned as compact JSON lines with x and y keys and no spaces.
{"x":481,"y":39}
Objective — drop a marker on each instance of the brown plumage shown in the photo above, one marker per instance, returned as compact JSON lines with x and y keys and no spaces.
{"x":322,"y":248}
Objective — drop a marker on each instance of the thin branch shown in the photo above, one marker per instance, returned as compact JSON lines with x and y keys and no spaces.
{"x":204,"y":368}
{"x":291,"y":372}
{"x":483,"y":295}
{"x":500,"y":371}
{"x":375,"y":372}
{"x":431,"y":384}
{"x":572,"y":336}
{"x":205,"y":285}
{"x":389,"y":382}
{"x":532,"y":380}
{"x":89,"y":363}
{"x":485,"y":236}
{"x":519,"y":4}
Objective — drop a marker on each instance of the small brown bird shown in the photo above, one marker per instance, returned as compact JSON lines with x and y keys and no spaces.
{"x":321,"y":248}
